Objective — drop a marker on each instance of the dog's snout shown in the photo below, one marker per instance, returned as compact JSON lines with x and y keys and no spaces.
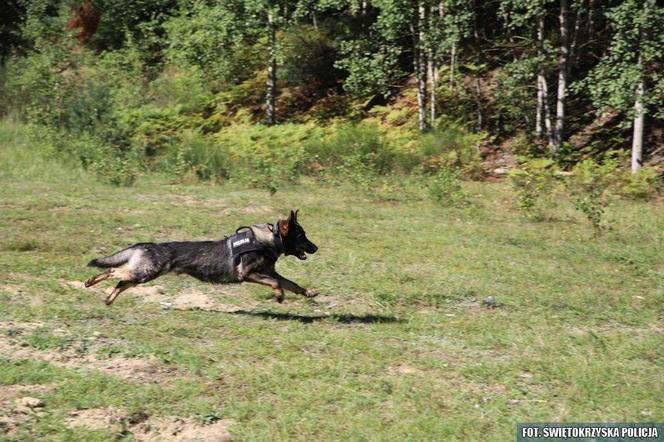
{"x":312,"y":248}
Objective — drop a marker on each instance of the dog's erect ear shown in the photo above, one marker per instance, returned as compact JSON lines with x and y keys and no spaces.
{"x":296,"y":214}
{"x":283,"y":226}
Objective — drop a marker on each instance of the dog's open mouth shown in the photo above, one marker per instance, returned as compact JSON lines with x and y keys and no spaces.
{"x":301,"y":255}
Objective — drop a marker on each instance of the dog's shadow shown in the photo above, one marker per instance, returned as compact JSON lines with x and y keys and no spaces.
{"x":308,"y":319}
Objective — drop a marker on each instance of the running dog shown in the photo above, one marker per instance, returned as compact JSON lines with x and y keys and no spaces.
{"x":248,"y":255}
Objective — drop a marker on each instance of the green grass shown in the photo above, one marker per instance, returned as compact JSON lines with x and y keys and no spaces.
{"x":398,"y":346}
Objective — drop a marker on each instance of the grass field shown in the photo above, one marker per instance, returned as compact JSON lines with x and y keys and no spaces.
{"x":433,"y":324}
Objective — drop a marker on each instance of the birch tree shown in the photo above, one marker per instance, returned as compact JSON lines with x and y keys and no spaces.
{"x":373,"y":60}
{"x":563,"y":60}
{"x":212,"y":35}
{"x":529,"y":18}
{"x":629,"y":77}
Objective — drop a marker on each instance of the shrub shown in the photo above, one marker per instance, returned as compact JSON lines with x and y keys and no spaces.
{"x":111,"y":164}
{"x":360,"y":147}
{"x":451,"y":146}
{"x":534,"y":182}
{"x":266,"y":157}
{"x":588,"y":186}
{"x":183,"y":90}
{"x":31,"y":87}
{"x":445,"y":187}
{"x":641,"y":185}
{"x":196,"y":155}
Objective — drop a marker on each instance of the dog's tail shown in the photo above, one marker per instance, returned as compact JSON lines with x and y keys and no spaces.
{"x":114,"y":260}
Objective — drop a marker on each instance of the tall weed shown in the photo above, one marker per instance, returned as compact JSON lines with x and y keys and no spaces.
{"x":588,"y":185}
{"x":534,"y":182}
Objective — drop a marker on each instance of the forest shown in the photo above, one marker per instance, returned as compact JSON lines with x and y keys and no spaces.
{"x":219,"y":90}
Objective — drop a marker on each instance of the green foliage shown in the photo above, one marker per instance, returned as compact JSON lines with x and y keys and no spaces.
{"x":636,"y":49}
{"x":173,"y":86}
{"x":641,"y":185}
{"x":534,"y":182}
{"x":111,"y":164}
{"x":141,"y":21}
{"x":195,"y":155}
{"x":450,"y":146}
{"x":266,"y":157}
{"x":352,"y":147}
{"x":308,"y":59}
{"x":445,"y":188}
{"x":217,"y":39}
{"x":372,"y":68}
{"x":514,"y":99}
{"x":32,"y":87}
{"x":184,"y":91}
{"x":588,"y":185}
{"x":31,"y":157}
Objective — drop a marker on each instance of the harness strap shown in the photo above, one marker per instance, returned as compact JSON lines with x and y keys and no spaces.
{"x":244,"y":241}
{"x":278,"y":240}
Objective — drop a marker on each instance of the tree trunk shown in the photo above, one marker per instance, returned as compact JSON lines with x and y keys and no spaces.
{"x":591,"y":19}
{"x":478,"y":85}
{"x":434,"y":71}
{"x":420,"y":67}
{"x":575,"y":37}
{"x":314,"y":22}
{"x":559,"y":131}
{"x":478,"y":101}
{"x":639,"y":117}
{"x":433,"y":82}
{"x":270,"y":114}
{"x":452,"y":60}
{"x":539,"y":125}
{"x":547,"y":112}
{"x":542,"y":116}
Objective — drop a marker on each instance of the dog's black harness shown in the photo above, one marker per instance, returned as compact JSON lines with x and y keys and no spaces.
{"x":244,"y":241}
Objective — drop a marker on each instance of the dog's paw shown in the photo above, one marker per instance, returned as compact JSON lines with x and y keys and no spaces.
{"x":311,"y":293}
{"x":89,"y":282}
{"x":280,"y":298}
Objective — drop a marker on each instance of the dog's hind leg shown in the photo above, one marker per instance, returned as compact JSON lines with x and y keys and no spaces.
{"x":99,"y":278}
{"x":121,"y":287}
{"x":267,"y":280}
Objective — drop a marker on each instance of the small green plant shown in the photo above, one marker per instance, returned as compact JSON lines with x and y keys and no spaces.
{"x":641,"y":185}
{"x":117,"y":169}
{"x":534,"y":183}
{"x":356,"y":146}
{"x":357,"y":168}
{"x":445,"y":188}
{"x":210,"y":417}
{"x":587,"y":186}
{"x":451,"y":146}
{"x":194,"y":155}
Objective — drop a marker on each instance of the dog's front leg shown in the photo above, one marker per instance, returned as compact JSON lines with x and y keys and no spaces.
{"x":259,"y":278}
{"x":292,"y":286}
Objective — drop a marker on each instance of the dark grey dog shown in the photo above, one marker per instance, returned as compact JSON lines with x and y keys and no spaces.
{"x":249,"y":255}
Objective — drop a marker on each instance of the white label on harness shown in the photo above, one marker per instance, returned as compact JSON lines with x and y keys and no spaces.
{"x":239,"y":242}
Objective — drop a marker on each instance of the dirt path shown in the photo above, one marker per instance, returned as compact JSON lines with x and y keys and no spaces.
{"x":145,"y":428}
{"x":119,"y":366}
